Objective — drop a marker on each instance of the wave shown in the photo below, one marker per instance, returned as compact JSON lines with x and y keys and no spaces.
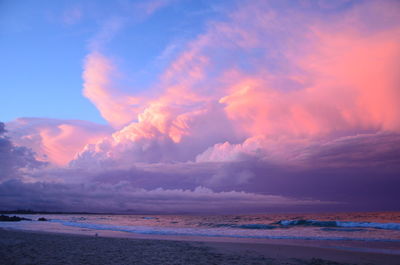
{"x":243,"y":226}
{"x":386,"y":226}
{"x":205,"y":232}
{"x":149,"y":218}
{"x":343,"y":229}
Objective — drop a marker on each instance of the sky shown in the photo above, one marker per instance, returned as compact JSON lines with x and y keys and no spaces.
{"x":199,"y":106}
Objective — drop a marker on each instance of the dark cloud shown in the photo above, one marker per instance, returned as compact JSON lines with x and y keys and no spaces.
{"x":123,"y":197}
{"x":361,"y":150}
{"x":329,"y":172}
{"x":2,"y":128}
{"x":15,"y":159}
{"x":355,"y":173}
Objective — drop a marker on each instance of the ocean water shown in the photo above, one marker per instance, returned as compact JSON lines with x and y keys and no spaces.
{"x":354,"y":227}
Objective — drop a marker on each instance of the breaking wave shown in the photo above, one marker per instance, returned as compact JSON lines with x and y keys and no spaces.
{"x":205,"y":232}
{"x":386,"y":226}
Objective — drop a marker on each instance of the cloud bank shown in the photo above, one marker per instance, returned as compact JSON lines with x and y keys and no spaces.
{"x":122,"y":198}
{"x":267,"y":102}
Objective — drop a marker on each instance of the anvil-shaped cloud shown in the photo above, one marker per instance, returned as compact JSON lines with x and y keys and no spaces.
{"x":273,"y":99}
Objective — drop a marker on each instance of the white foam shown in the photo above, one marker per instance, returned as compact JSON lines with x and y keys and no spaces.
{"x":205,"y":232}
{"x":386,"y":226}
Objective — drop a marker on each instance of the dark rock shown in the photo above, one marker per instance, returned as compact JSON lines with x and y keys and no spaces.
{"x":5,"y":218}
{"x":42,"y":219}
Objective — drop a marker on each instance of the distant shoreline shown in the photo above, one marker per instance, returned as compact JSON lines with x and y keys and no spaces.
{"x":46,"y":212}
{"x":185,"y":213}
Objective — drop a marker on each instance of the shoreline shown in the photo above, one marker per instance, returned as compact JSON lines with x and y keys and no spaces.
{"x":48,"y":247}
{"x":383,"y":247}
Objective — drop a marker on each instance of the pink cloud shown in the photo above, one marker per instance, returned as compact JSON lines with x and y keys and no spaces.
{"x":226,"y":151}
{"x":116,"y":107}
{"x":346,"y":77}
{"x":271,"y":98}
{"x":56,"y":141}
{"x":322,"y":78}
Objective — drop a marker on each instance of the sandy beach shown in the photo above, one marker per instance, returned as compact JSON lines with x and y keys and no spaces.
{"x":23,"y":247}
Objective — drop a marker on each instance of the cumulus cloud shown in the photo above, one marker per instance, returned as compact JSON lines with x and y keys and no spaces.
{"x":15,"y":160}
{"x":335,"y":78}
{"x":116,"y":107}
{"x":222,"y":152}
{"x":55,"y":141}
{"x":272,"y":99}
{"x":296,"y":84}
{"x":305,"y":100}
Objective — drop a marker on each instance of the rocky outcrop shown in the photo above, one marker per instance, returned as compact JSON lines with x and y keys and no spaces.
{"x":5,"y":218}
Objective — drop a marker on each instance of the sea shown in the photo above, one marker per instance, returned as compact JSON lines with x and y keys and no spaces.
{"x":368,"y":231}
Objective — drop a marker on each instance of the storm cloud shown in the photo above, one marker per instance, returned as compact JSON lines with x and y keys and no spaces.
{"x":276,"y":106}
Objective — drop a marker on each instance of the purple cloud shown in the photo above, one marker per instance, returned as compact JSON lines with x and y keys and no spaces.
{"x":274,"y":105}
{"x":124,"y":198}
{"x":15,"y":161}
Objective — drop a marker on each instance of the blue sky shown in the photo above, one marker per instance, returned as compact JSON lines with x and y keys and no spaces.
{"x":44,"y":44}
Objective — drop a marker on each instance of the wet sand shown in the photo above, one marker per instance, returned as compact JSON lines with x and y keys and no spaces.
{"x":23,"y":247}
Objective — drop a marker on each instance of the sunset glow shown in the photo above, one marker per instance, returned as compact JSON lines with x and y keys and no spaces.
{"x":230,"y":106}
